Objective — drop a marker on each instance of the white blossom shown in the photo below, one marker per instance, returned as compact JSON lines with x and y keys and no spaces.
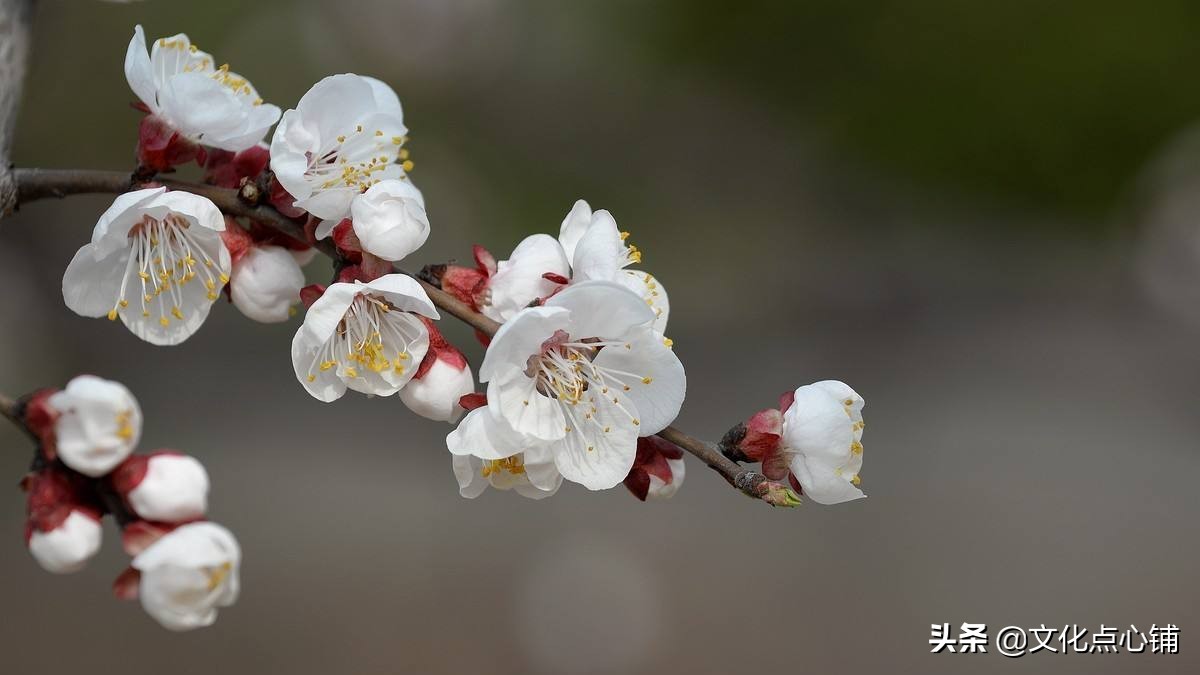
{"x":98,"y":424}
{"x":206,"y":103}
{"x":587,"y":372}
{"x":343,"y":137}
{"x":822,"y":439}
{"x":486,"y":451}
{"x":156,"y":261}
{"x":69,"y":546}
{"x":597,"y":249}
{"x":361,"y":336}
{"x":265,"y":283}
{"x":188,"y":574}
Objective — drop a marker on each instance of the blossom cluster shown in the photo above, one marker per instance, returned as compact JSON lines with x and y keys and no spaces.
{"x":576,"y":382}
{"x":183,"y":567}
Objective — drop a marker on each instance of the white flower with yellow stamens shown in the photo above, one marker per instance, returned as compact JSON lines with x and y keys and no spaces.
{"x":205,"y":103}
{"x":361,"y":336}
{"x":156,"y":261}
{"x":597,"y":249}
{"x":344,"y":136}
{"x":97,"y":425}
{"x":487,"y":452}
{"x":188,"y":574}
{"x":587,"y":372}
{"x":822,"y":441}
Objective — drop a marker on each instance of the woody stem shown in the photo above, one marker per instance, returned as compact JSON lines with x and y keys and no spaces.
{"x":35,"y":184}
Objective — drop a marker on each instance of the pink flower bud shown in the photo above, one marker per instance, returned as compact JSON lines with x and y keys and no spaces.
{"x":63,"y":529}
{"x":658,"y":469}
{"x":164,"y":486}
{"x":440,"y":382}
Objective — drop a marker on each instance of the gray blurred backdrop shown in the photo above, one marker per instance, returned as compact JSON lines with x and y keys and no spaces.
{"x":983,"y":216}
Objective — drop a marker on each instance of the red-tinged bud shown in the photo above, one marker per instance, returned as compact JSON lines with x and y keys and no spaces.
{"x":228,"y":169}
{"x":138,"y":535}
{"x":161,"y":148}
{"x":472,"y":401}
{"x":464,"y":283}
{"x":763,"y":432}
{"x":441,"y":380}
{"x":658,"y":469}
{"x":163,"y":486}
{"x":283,"y":201}
{"x":755,"y":438}
{"x":236,"y":239}
{"x":125,"y":587}
{"x":309,"y":294}
{"x":62,"y":529}
{"x":39,"y":418}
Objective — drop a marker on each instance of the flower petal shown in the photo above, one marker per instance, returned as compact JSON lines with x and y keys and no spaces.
{"x":601,"y":309}
{"x":657,"y":385}
{"x":521,"y":337}
{"x":513,"y":396}
{"x":90,"y":285}
{"x":481,"y":435}
{"x":600,"y":253}
{"x":823,"y":483}
{"x":649,"y":290}
{"x":405,"y":293}
{"x":573,"y":226}
{"x":599,"y":451}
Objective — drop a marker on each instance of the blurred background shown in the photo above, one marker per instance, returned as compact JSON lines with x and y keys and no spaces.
{"x":985,"y":217}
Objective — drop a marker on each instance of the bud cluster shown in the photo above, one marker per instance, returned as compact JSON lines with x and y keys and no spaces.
{"x":183,"y":568}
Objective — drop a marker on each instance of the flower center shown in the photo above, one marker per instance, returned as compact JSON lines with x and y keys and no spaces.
{"x":218,"y":575}
{"x":566,"y":370}
{"x":514,"y":465}
{"x":372,"y":335}
{"x":124,"y":426}
{"x":354,"y":159}
{"x":165,"y":256}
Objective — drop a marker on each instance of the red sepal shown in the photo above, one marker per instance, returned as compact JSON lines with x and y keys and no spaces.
{"x":763,"y":432}
{"x":775,"y":463}
{"x":39,"y":420}
{"x":139,"y":534}
{"x":236,"y":239}
{"x":472,"y":401}
{"x":786,"y":399}
{"x":160,"y":147}
{"x":125,"y":587}
{"x":228,"y":169}
{"x":556,"y":278}
{"x":651,"y":460}
{"x":282,"y":200}
{"x":795,"y":483}
{"x":309,"y":294}
{"x":439,"y":348}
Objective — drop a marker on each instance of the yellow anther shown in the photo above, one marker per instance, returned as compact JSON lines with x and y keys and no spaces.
{"x":341,"y":139}
{"x":164,"y":321}
{"x":175,"y":311}
{"x":668,"y":341}
{"x":224,"y":278}
{"x":636,"y":421}
{"x":624,"y":236}
{"x":144,"y":276}
{"x":856,"y":448}
{"x":350,"y":372}
{"x":647,"y":380}
{"x":407,"y":165}
{"x":124,"y":303}
{"x":312,"y":378}
{"x":856,"y":480}
{"x":112,"y":315}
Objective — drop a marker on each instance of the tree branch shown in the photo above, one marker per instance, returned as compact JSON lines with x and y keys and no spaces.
{"x":34,"y":184}
{"x":16,"y":18}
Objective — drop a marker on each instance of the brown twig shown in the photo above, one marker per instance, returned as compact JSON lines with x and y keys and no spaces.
{"x":34,"y":184}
